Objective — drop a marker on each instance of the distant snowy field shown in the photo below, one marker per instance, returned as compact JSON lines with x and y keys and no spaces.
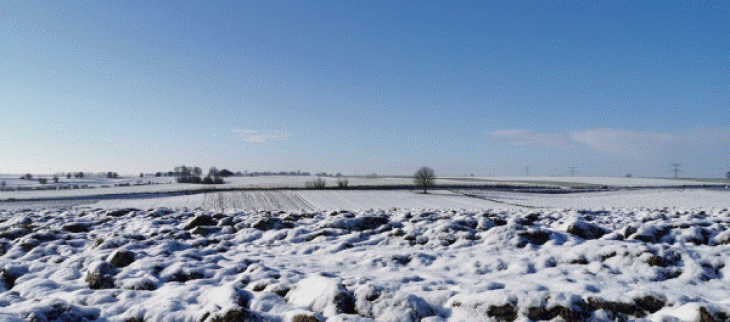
{"x":356,"y":200}
{"x":611,"y":181}
{"x":649,"y":198}
{"x":157,"y":185}
{"x":369,"y":255}
{"x":309,"y":200}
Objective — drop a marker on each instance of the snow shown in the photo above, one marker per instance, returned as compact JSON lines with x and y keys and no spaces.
{"x":368,"y":255}
{"x":99,"y":187}
{"x":649,"y":198}
{"x":463,"y":199}
{"x":166,"y":185}
{"x":371,"y":256}
{"x":609,"y":181}
{"x":320,"y":294}
{"x":403,"y":199}
{"x":307,"y":200}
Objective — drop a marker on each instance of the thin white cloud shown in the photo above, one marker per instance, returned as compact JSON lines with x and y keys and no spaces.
{"x":528,"y":137}
{"x":624,"y":142}
{"x":619,"y":141}
{"x":254,"y":136}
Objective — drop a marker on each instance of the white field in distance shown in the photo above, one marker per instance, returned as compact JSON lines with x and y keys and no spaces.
{"x":148,"y":184}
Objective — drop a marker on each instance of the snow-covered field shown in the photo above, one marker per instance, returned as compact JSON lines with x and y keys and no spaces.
{"x":92,"y":187}
{"x":609,"y":181}
{"x":649,"y":198}
{"x":368,"y":255}
{"x":308,"y":200}
{"x":103,"y":264}
{"x":464,"y":199}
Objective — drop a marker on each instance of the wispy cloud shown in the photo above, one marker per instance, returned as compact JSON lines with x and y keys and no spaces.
{"x":528,"y":137}
{"x":254,"y":136}
{"x":626,"y":142}
{"x":619,"y":141}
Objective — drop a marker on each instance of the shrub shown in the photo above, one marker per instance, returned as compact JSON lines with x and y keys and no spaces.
{"x":318,"y":183}
{"x":188,"y":179}
{"x":342,"y":183}
{"x":42,"y":180}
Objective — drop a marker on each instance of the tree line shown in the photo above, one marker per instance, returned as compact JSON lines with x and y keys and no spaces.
{"x":186,"y":174}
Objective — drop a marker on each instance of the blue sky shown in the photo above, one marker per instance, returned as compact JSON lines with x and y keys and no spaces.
{"x":485,"y":88}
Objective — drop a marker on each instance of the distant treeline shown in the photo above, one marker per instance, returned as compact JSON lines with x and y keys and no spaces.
{"x":280,"y":173}
{"x":182,"y":170}
{"x":185,"y":174}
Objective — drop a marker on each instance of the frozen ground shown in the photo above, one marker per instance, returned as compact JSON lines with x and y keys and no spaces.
{"x":400,"y":199}
{"x":265,"y":200}
{"x":606,"y":181}
{"x":645,"y":198}
{"x":100,"y":187}
{"x":110,"y":264}
{"x":74,"y":188}
{"x":464,"y":199}
{"x":369,"y":255}
{"x":307,"y":200}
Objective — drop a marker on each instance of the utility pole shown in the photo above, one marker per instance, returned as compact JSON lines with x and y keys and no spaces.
{"x":527,"y":171}
{"x":676,"y":169}
{"x":572,"y":171}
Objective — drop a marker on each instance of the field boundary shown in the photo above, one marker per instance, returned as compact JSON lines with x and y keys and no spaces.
{"x":493,"y":200}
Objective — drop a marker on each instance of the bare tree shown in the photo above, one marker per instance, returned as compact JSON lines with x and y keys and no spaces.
{"x":424,"y":178}
{"x":213,"y":172}
{"x":342,"y":182}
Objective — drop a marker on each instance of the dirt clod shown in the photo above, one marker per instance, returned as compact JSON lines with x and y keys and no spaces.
{"x":505,"y":312}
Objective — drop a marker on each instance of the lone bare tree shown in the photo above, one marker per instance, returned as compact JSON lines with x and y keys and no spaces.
{"x":424,"y":178}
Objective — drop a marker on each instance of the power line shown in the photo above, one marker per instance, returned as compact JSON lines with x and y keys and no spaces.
{"x":676,"y":170}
